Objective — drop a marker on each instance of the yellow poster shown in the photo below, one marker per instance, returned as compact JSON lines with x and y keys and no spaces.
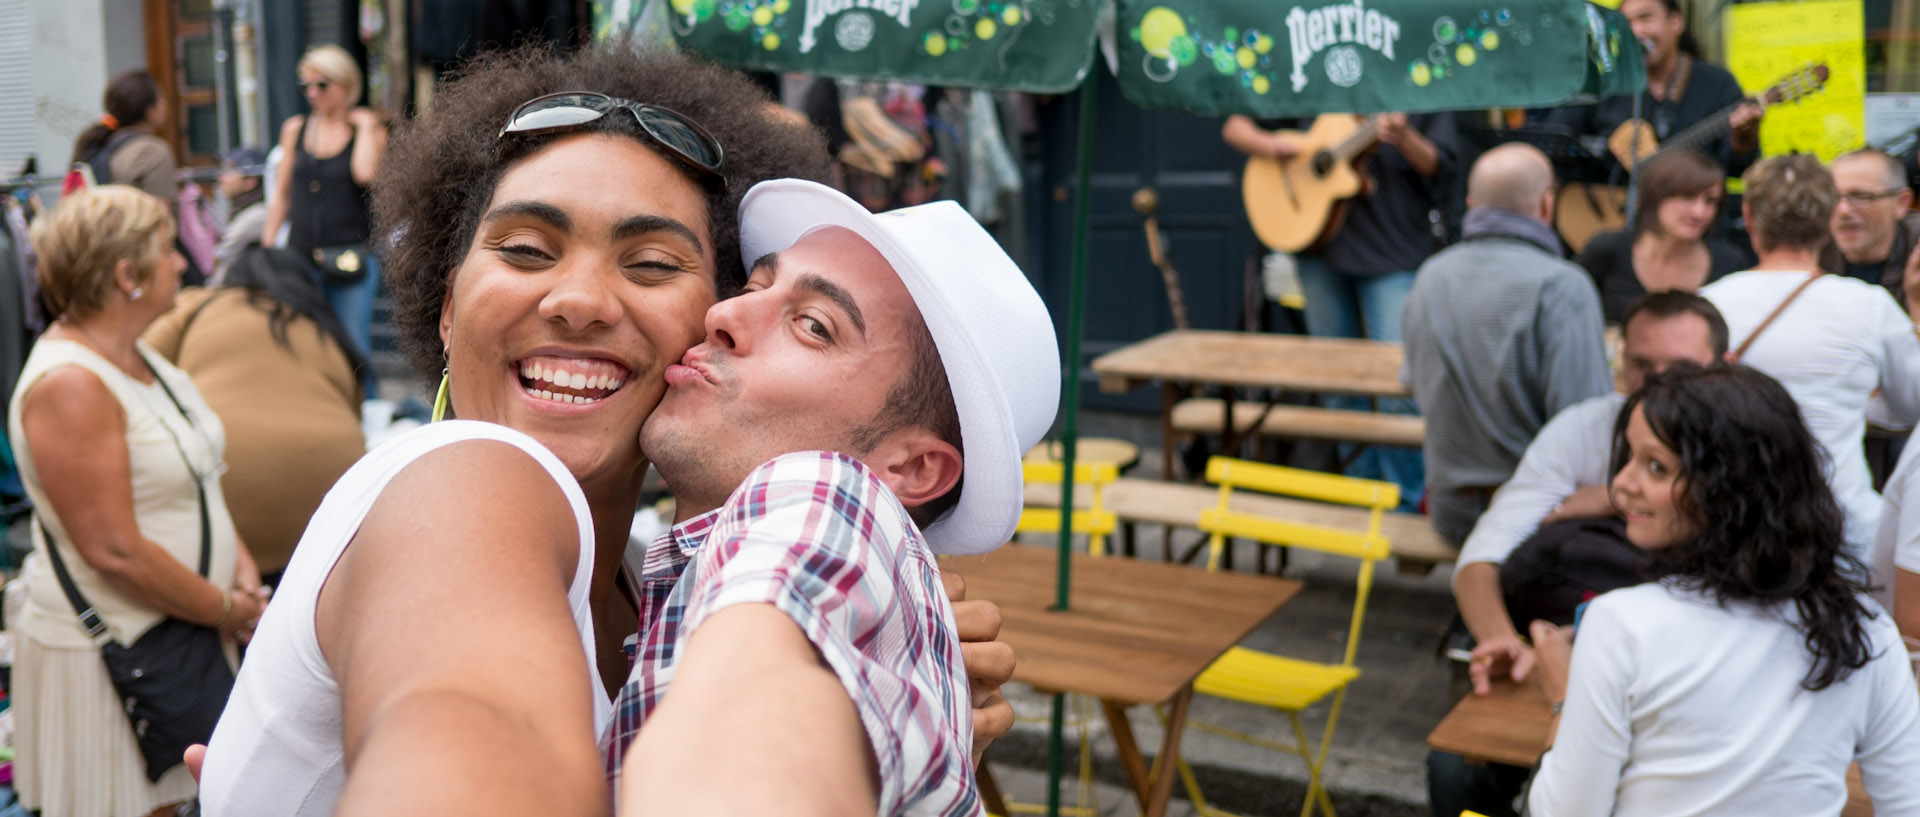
{"x":1769,"y":42}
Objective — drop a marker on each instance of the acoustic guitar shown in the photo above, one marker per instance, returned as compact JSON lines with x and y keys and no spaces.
{"x":1582,"y":210}
{"x":1298,"y":203}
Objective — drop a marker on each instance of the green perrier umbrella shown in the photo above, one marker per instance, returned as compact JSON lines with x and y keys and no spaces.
{"x":1265,"y":58}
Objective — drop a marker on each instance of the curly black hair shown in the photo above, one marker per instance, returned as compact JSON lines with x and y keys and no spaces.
{"x":1769,"y":528}
{"x":440,"y":169}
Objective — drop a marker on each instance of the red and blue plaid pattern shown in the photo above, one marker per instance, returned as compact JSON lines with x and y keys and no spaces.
{"x":816,"y":535}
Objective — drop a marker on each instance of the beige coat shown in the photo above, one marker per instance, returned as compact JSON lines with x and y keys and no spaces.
{"x":292,"y":415}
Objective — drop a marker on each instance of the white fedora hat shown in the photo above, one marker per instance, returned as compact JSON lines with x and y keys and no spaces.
{"x":994,"y":335}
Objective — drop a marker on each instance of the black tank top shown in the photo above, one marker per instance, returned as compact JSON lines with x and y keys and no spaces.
{"x":326,"y":207}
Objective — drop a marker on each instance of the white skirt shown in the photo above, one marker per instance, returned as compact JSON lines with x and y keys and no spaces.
{"x":75,"y":755}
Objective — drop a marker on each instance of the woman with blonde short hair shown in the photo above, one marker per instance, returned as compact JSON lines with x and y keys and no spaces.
{"x":329,"y":158}
{"x":1836,"y":343}
{"x":114,"y":446}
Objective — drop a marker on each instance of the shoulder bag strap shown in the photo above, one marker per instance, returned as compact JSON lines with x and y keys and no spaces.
{"x":1768,"y":321}
{"x":199,"y":485}
{"x":89,"y":618}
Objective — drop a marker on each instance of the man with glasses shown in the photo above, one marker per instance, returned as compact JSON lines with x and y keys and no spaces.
{"x":1874,"y":232}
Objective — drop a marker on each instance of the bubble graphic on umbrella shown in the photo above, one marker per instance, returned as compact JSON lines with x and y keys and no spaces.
{"x":736,"y":16}
{"x":1420,"y":73}
{"x":967,"y":7}
{"x":1158,"y":28}
{"x":1445,"y":31}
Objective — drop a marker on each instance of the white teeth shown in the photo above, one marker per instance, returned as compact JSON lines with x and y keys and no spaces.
{"x":579,"y":380}
{"x":614,"y":382}
{"x":598,"y":382}
{"x":527,"y":371}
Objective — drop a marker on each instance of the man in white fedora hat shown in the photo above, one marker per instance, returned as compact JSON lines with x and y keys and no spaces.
{"x":860,"y":407}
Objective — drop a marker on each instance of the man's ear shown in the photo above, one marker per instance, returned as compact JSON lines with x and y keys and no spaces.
{"x":916,"y":465}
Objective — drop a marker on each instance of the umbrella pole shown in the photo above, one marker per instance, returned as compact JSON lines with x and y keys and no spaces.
{"x":1070,"y":427}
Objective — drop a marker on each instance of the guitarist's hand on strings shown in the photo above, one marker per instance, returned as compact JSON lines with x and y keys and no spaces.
{"x":1745,"y":123}
{"x":1282,"y":147}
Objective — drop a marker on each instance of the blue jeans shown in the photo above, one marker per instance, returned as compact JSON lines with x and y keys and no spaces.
{"x":1342,"y":304}
{"x":353,"y":305}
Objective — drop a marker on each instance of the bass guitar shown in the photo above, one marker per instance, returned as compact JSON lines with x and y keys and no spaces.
{"x":1581,"y":210}
{"x":1298,"y":203}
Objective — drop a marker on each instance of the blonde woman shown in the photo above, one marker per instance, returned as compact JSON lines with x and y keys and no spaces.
{"x":1837,"y":343}
{"x":111,"y":442}
{"x":329,"y":159}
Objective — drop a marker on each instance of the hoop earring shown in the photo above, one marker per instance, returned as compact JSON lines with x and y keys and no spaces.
{"x":440,"y":399}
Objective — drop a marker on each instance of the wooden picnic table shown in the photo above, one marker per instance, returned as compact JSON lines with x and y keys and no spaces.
{"x":1137,"y":633}
{"x":1184,"y":359}
{"x":1256,"y":359}
{"x":1509,"y":725}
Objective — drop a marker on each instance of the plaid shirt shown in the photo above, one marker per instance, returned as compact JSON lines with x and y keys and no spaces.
{"x":816,"y":535}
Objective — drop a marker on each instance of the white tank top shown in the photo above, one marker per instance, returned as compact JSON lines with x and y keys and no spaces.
{"x":278,"y":747}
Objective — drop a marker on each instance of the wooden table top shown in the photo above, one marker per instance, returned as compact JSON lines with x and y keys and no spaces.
{"x":1256,"y":359}
{"x":1137,"y":631}
{"x":1509,"y":725}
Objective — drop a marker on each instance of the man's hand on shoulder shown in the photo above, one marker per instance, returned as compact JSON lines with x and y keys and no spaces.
{"x":1588,"y":502}
{"x":989,"y":663}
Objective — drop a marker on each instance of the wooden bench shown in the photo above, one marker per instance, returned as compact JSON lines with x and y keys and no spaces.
{"x":1175,"y":504}
{"x":1205,"y":415}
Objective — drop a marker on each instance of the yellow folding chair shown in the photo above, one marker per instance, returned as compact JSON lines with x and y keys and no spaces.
{"x":1290,"y":684}
{"x":1095,"y":522}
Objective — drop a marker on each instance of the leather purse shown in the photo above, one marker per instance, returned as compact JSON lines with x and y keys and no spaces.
{"x":344,"y":264}
{"x":173,"y":681}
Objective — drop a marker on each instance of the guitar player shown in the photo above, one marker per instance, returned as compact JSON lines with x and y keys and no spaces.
{"x":1681,"y":90}
{"x":1357,"y":279}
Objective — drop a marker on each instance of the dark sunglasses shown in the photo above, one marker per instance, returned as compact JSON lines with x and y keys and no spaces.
{"x":317,"y":85}
{"x":570,"y":110}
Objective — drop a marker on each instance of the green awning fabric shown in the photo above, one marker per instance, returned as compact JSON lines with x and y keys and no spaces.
{"x":1040,"y":46}
{"x":1270,"y":59}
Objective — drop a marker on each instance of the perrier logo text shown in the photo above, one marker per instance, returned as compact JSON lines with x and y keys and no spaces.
{"x":819,"y":10}
{"x":1311,"y":31}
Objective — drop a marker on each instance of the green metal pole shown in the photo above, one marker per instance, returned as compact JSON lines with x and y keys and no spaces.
{"x":1070,"y":428}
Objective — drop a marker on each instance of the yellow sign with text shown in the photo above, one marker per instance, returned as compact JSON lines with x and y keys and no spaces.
{"x":1766,"y":42}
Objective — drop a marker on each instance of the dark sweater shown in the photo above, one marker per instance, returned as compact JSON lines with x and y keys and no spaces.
{"x":1608,"y":259}
{"x":1709,"y":89}
{"x":1906,"y":234}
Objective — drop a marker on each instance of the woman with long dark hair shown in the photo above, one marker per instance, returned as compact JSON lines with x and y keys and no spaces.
{"x":1671,"y":245}
{"x":1752,"y":668}
{"x":122,"y":148}
{"x":272,"y":359}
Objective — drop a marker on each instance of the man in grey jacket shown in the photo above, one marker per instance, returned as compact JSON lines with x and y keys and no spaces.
{"x":1501,"y":334}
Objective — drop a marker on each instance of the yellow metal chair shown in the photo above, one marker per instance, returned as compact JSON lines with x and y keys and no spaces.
{"x":1097,"y":524}
{"x":1289,"y":684}
{"x":1094,"y":522}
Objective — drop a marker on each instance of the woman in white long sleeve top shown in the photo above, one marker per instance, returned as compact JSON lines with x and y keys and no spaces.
{"x":1838,"y":343}
{"x":1752,"y":670}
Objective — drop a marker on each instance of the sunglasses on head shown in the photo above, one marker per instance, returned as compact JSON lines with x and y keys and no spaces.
{"x":571,"y":110}
{"x":317,"y":85}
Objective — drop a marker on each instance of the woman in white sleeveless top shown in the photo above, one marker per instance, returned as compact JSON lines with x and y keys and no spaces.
{"x":110,"y":463}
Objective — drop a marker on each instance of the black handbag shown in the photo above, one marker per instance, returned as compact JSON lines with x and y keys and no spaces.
{"x":344,"y":264}
{"x":174,"y":680}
